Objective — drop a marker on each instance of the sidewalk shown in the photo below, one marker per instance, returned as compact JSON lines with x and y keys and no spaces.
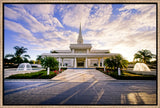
{"x":82,"y":75}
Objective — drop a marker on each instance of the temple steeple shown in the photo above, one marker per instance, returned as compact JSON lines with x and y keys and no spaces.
{"x":80,"y":39}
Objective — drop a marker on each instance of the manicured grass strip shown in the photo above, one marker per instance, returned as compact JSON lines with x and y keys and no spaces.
{"x":128,"y":76}
{"x":34,"y":75}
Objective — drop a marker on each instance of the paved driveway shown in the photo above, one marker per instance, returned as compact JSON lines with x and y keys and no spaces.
{"x":82,"y":75}
{"x":80,"y":87}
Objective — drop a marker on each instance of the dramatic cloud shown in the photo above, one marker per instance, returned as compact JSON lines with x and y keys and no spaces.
{"x":124,"y":29}
{"x":23,"y":33}
{"x":76,"y":14}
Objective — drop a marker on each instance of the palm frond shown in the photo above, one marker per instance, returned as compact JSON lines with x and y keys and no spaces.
{"x":9,"y":55}
{"x":26,"y":56}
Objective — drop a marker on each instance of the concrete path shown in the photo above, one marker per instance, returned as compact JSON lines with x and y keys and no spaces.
{"x":82,"y":75}
{"x":83,"y":87}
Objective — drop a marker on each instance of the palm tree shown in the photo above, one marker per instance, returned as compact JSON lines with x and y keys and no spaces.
{"x":143,"y":56}
{"x":50,"y":62}
{"x":38,"y":60}
{"x":109,"y":62}
{"x":121,"y":62}
{"x":116,"y":62}
{"x":18,"y":56}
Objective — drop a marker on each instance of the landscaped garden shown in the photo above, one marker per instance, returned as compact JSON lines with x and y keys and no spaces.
{"x":113,"y":63}
{"x":37,"y":75}
{"x":125,"y":75}
{"x":50,"y":65}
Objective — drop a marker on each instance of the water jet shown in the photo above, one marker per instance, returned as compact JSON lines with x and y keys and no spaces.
{"x":24,"y":67}
{"x":141,"y":67}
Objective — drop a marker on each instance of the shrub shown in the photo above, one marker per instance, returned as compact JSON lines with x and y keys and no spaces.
{"x":49,"y":62}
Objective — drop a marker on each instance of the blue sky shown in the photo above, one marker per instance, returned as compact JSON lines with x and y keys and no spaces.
{"x":120,"y":28}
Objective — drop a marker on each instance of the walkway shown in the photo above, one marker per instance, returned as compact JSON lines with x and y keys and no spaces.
{"x":80,"y":87}
{"x":82,"y":75}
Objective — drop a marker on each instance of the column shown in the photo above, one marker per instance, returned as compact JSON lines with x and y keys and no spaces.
{"x":62,"y":62}
{"x":86,"y":63}
{"x":75,"y":63}
{"x":98,"y":62}
{"x":87,"y":51}
{"x":59,"y":64}
{"x":72,"y":50}
{"x":102,"y":62}
{"x":89,"y":62}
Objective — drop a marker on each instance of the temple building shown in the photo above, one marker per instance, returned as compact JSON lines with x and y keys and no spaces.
{"x":80,"y":55}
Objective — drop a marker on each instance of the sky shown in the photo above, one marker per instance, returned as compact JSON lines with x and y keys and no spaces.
{"x":120,"y":28}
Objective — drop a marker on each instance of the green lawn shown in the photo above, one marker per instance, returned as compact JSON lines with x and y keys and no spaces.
{"x":128,"y":76}
{"x":35,"y":75}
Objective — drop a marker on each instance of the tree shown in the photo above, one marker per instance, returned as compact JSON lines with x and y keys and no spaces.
{"x":144,"y":56}
{"x":18,"y":56}
{"x":32,"y":62}
{"x":121,"y":62}
{"x":109,"y":62}
{"x":49,"y":62}
{"x":38,"y":60}
{"x":116,"y":62}
{"x":53,"y":51}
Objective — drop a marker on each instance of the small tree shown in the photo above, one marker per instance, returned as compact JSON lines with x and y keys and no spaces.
{"x":50,"y":62}
{"x":121,"y":62}
{"x":109,"y":62}
{"x":38,"y":60}
{"x":116,"y":62}
{"x":144,"y":56}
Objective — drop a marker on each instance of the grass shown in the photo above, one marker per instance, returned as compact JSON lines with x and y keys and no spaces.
{"x":130,"y":74}
{"x":35,"y":75}
{"x":125,"y":75}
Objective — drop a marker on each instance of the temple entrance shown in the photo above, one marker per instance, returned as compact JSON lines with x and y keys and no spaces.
{"x":80,"y":62}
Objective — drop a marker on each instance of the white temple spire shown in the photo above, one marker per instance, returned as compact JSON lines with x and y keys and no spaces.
{"x":80,"y":39}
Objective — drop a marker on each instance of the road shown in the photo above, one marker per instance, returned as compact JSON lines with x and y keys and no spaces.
{"x":79,"y":87}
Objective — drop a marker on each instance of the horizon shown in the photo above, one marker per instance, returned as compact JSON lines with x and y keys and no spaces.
{"x":119,"y":28}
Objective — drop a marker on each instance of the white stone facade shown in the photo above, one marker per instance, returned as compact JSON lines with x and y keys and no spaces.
{"x":80,"y":55}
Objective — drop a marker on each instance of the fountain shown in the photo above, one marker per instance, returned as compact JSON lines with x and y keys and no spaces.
{"x":24,"y":67}
{"x":141,"y":67}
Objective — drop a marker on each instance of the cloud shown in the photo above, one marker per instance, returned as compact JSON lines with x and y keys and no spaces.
{"x":145,"y":14}
{"x":99,"y":17}
{"x":38,"y":17}
{"x":40,"y":10}
{"x":129,"y":33}
{"x":92,"y":17}
{"x":76,"y":14}
{"x":23,"y":33}
{"x":10,"y":14}
{"x":133,"y":29}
